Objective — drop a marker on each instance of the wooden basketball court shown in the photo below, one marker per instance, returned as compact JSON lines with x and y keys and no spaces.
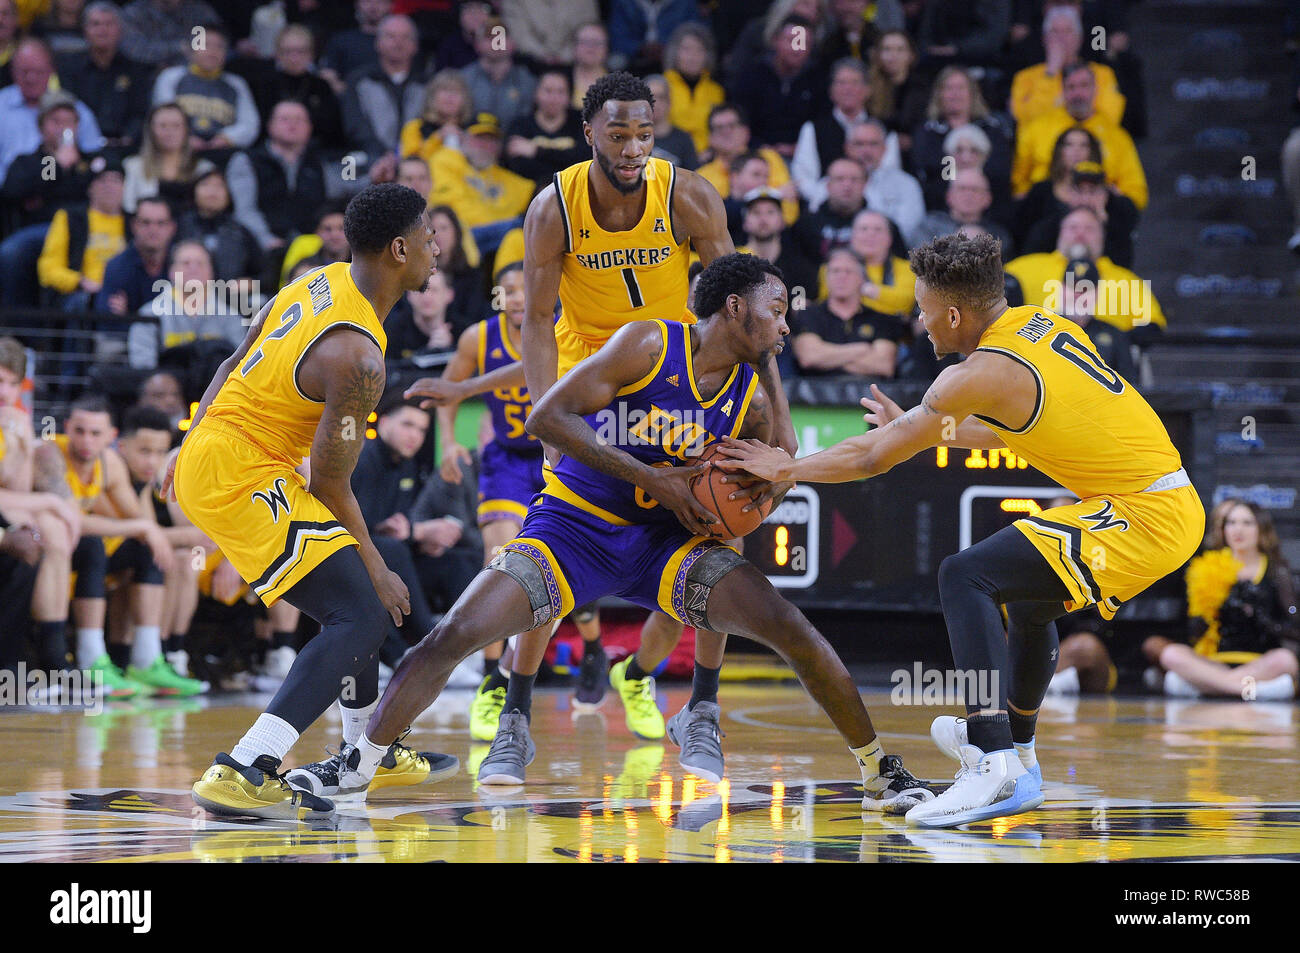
{"x":1127,"y":779}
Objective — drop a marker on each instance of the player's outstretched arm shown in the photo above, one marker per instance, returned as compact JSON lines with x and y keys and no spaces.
{"x":460,"y":368}
{"x":544,"y":248}
{"x":348,"y":369}
{"x":970,"y":433}
{"x":954,"y":396}
{"x":558,"y":420}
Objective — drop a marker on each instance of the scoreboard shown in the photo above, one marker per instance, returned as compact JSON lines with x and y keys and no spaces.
{"x":877,"y":544}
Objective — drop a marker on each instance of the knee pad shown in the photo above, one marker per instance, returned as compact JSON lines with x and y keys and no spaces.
{"x":584,"y":614}
{"x":525,"y":571}
{"x":137,"y":557}
{"x":701,"y":577}
{"x":90,"y":563}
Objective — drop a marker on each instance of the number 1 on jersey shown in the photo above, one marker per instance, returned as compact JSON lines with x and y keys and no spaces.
{"x":291,"y":316}
{"x":633,"y":289}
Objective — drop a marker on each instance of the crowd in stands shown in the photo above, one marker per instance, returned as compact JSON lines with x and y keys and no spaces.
{"x":170,"y":144}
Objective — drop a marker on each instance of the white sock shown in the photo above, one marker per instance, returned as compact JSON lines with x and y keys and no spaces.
{"x":371,"y":755}
{"x":90,"y":646}
{"x":147,"y":645}
{"x":269,"y":735}
{"x":1028,"y":754}
{"x":1279,"y":689}
{"x":355,"y":721}
{"x":869,"y":756}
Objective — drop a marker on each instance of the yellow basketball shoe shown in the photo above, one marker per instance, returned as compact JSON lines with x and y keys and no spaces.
{"x":256,"y":790}
{"x":644,"y":719}
{"x":401,"y":766}
{"x":485,"y":710}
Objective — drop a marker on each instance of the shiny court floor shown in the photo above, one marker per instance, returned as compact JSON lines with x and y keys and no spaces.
{"x":1127,"y":780}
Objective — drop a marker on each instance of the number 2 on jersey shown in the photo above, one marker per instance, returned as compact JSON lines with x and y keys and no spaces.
{"x":291,"y":316}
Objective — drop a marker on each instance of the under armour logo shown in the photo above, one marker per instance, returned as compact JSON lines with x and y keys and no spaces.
{"x":584,"y":233}
{"x":1102,"y":519}
{"x":274,"y":497}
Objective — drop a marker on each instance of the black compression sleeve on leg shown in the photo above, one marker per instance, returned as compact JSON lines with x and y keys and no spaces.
{"x":1005,"y":568}
{"x":339,"y":595}
{"x":1033,"y":645}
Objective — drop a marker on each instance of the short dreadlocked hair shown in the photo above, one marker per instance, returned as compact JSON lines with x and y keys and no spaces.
{"x":966,"y":271}
{"x":378,"y":214}
{"x":734,"y":274}
{"x":621,"y":87}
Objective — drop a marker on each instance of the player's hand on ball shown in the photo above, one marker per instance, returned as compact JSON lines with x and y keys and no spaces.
{"x":393,"y":594}
{"x":756,"y":490}
{"x":671,"y":487}
{"x":756,"y":458}
{"x":880,"y":409}
{"x":440,"y":391}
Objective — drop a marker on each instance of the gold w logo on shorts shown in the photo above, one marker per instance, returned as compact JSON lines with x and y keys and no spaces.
{"x":274,"y":497}
{"x":1102,"y":519}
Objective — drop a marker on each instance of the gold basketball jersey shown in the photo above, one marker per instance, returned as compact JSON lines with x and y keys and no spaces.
{"x":85,"y":493}
{"x":261,"y":397}
{"x":609,"y":279}
{"x":1091,"y":430}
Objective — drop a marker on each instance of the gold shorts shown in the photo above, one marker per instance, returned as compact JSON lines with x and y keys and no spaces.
{"x":1107,"y":549}
{"x":255,"y":508}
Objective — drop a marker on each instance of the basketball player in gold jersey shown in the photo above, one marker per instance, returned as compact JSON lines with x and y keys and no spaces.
{"x":1031,"y":382}
{"x":611,"y":239}
{"x":303,"y":382}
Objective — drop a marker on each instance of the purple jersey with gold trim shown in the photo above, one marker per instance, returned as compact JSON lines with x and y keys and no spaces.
{"x":662,"y":420}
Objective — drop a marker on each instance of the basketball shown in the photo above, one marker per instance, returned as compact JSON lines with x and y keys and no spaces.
{"x":712,"y":494}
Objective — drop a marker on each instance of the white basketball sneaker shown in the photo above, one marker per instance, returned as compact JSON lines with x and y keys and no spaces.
{"x":949,"y":734}
{"x":988,"y":785}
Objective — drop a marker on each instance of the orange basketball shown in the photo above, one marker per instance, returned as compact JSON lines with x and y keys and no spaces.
{"x":712,"y":494}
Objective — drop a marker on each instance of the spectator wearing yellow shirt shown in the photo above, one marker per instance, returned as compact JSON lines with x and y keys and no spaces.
{"x":728,"y":138}
{"x":81,"y":241}
{"x":890,"y":287}
{"x":447,"y":110}
{"x":1036,"y":140}
{"x":1036,"y":90}
{"x":488,"y":199}
{"x":689,"y":61}
{"x":1077,"y":269}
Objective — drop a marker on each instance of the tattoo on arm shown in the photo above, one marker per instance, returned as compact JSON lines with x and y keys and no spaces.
{"x":582,"y":443}
{"x":50,"y":473}
{"x":341,"y":432}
